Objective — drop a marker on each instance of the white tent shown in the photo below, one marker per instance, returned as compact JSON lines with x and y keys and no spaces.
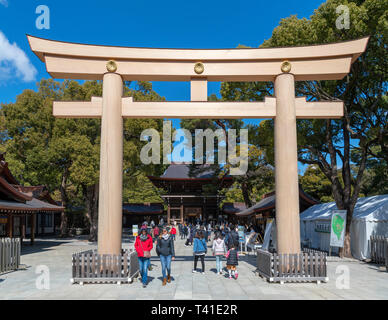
{"x":370,"y":217}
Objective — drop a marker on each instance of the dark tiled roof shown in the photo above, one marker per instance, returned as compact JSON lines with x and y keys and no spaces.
{"x":5,"y":172}
{"x":16,"y":198}
{"x":38,"y":192}
{"x":182,"y":171}
{"x":264,"y":204}
{"x":30,"y":206}
{"x":143,"y":208}
{"x":8,"y":192}
{"x":230,"y":208}
{"x":269,"y":202}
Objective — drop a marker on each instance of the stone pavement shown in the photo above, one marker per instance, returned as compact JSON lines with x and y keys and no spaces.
{"x":367,"y":281}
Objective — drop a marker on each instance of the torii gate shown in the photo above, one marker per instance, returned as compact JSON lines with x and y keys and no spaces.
{"x":283,"y":66}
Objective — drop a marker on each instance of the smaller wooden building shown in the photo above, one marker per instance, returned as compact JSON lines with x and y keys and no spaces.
{"x":230,"y":209}
{"x":265,"y":208}
{"x":137,"y":213}
{"x":25,"y":211}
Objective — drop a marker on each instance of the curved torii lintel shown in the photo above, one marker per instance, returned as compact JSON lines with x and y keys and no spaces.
{"x":83,"y":61}
{"x":80,"y":61}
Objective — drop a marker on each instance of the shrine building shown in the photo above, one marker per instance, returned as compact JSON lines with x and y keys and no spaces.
{"x":191,"y":192}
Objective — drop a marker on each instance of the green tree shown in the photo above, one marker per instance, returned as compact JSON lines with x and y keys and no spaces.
{"x":363,"y":91}
{"x":316,"y":184}
{"x":138,"y":189}
{"x":64,"y":153}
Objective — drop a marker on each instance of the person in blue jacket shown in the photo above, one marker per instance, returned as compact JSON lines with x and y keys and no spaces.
{"x":199,"y":250}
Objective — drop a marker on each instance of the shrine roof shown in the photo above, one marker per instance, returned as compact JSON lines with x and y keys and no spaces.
{"x":269,"y":203}
{"x":17,"y":198}
{"x":33,"y":205}
{"x":143,"y":208}
{"x":234,"y":207}
{"x":39,"y":192}
{"x":182,"y":171}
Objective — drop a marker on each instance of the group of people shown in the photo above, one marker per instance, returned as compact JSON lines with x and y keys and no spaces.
{"x":188,"y":232}
{"x":225,"y":244}
{"x":155,"y":231}
{"x":164,"y":249}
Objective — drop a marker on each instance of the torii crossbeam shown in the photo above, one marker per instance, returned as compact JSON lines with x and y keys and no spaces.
{"x":114,"y":65}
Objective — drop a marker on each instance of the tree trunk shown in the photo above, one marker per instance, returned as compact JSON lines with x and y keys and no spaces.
{"x":64,"y":232}
{"x":91,"y":205}
{"x":94,"y":214}
{"x":245,"y":192}
{"x":346,"y":250}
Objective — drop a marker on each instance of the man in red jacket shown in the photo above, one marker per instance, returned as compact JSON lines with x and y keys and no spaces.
{"x":143,"y":247}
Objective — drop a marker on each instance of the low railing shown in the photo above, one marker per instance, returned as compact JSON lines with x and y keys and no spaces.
{"x":379,"y":250}
{"x":9,"y":254}
{"x":313,"y":251}
{"x":91,"y":267}
{"x":303,"y":267}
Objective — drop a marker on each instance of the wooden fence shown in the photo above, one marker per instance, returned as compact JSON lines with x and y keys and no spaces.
{"x":91,"y":267}
{"x":313,"y":251}
{"x":304,"y":267}
{"x":379,"y":250}
{"x":9,"y":254}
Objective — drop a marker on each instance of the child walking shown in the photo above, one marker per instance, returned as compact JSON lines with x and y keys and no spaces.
{"x":173,"y":232}
{"x":219,"y":250}
{"x":232,"y":261}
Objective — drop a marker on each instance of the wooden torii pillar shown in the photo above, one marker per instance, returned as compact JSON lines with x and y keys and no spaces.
{"x":114,"y":65}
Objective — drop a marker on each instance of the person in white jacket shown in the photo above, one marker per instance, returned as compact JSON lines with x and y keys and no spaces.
{"x":219,"y":250}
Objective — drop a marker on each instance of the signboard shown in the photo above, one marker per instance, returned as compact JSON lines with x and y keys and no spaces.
{"x":4,"y":219}
{"x":135,"y":230}
{"x":337,"y":228}
{"x":241,"y":234}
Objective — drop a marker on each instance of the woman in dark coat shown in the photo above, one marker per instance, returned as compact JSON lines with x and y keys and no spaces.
{"x":166,"y":252}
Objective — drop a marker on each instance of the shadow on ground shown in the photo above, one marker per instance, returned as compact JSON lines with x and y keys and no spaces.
{"x":251,"y":259}
{"x":377,"y":267}
{"x":41,"y":245}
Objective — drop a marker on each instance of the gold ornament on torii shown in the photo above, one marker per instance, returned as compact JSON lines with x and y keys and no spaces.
{"x":286,"y":66}
{"x":111,"y":66}
{"x":199,"y":68}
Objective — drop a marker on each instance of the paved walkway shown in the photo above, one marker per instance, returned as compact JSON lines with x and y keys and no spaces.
{"x":367,"y":281}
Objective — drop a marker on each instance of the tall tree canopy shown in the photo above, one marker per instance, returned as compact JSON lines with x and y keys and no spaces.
{"x":64,"y":153}
{"x":361,"y":135}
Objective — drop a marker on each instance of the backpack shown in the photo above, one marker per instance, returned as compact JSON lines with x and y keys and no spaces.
{"x":202,"y":245}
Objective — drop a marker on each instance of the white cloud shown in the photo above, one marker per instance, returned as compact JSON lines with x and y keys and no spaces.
{"x":13,"y":60}
{"x":4,"y":3}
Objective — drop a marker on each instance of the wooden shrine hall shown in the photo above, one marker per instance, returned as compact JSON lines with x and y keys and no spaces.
{"x":25,"y":210}
{"x":192,"y":192}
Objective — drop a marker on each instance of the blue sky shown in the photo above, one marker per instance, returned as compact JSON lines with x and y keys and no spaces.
{"x":140,"y":23}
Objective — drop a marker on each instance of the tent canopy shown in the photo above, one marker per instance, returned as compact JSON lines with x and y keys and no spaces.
{"x":373,"y":208}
